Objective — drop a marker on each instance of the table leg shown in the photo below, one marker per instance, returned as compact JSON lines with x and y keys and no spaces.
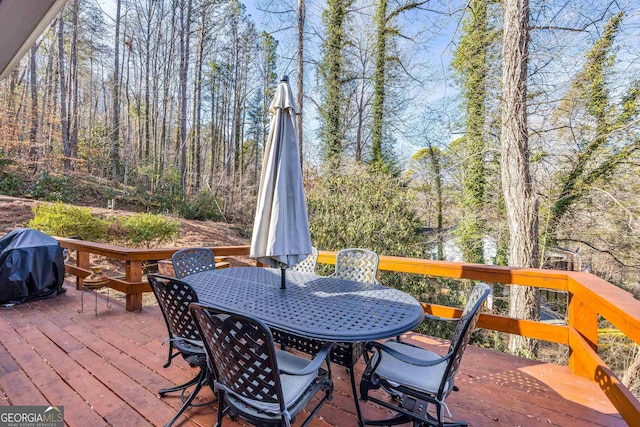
{"x":354,"y":389}
{"x":355,"y":397}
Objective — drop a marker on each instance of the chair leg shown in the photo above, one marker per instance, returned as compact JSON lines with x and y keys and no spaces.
{"x":197,"y":379}
{"x":170,"y":356}
{"x":328,"y":395}
{"x":187,"y":403}
{"x":221,"y":408}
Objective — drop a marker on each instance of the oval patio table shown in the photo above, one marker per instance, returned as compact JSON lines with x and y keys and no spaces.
{"x":311,"y":307}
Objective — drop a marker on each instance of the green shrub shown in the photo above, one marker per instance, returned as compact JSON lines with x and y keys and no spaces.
{"x":10,"y":185}
{"x":58,"y":219}
{"x":366,"y":209}
{"x":148,"y":229}
{"x":204,"y":208}
{"x":51,"y":188}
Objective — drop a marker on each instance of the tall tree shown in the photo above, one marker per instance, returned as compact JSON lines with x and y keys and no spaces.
{"x":185,"y":32}
{"x":33,"y":132}
{"x":385,"y":31}
{"x":604,"y":149}
{"x":520,"y":199}
{"x":379,"y":81}
{"x":64,"y":118}
{"x":269,"y":76}
{"x":332,"y":73}
{"x":73,"y":81}
{"x":470,"y":63}
{"x":197,"y":103}
{"x":115,"y":89}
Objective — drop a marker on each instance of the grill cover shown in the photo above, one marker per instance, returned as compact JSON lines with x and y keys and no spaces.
{"x":31,"y":266}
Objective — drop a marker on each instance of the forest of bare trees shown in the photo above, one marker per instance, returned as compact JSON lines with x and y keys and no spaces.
{"x":516,"y":120}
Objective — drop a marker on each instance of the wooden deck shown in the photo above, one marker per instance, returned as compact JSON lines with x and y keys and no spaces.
{"x":106,"y":370}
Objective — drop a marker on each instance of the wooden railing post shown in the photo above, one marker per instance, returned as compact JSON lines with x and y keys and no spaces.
{"x":134,"y":274}
{"x":585,"y":321}
{"x":82,"y":261}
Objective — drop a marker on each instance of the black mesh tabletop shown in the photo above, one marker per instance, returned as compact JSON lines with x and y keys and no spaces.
{"x":323,"y":308}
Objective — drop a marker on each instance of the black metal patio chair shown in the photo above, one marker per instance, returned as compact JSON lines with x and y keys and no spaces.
{"x":174,"y":297}
{"x":360,"y":265}
{"x":254,"y":381}
{"x":417,"y":377}
{"x":193,"y":260}
{"x":308,"y":265}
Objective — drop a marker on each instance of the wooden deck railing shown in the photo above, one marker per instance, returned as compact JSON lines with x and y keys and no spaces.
{"x":589,"y":297}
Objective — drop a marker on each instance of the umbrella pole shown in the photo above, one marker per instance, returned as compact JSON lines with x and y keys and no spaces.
{"x":283,"y":277}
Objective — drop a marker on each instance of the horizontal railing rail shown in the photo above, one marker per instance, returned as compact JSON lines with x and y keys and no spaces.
{"x":589,"y":297}
{"x":133,"y":285}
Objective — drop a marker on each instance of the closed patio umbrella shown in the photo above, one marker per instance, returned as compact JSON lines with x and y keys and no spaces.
{"x":281,"y":235}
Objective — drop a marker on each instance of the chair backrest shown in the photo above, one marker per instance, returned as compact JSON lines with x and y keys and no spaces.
{"x":242,"y":354}
{"x":464,"y":327}
{"x":174,"y":297}
{"x":193,"y":260}
{"x":360,"y":265}
{"x":308,"y":265}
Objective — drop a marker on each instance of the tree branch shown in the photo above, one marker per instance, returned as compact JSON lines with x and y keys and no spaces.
{"x":604,"y":251}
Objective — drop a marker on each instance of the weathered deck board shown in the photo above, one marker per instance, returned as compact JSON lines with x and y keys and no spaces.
{"x":106,"y":370}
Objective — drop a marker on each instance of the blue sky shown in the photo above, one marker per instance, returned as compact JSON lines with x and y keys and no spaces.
{"x":430,"y":86}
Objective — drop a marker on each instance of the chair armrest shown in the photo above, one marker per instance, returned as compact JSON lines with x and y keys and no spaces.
{"x":446,"y":319}
{"x":406,"y":358}
{"x":315,"y":364}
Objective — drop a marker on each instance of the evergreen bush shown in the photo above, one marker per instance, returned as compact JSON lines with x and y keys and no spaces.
{"x":364,"y":208}
{"x":10,"y":184}
{"x":205,"y":207}
{"x":59,"y":219}
{"x":52,"y":188}
{"x":148,"y":230}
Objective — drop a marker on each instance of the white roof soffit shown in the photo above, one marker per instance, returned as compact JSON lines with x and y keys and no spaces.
{"x":21,"y":23}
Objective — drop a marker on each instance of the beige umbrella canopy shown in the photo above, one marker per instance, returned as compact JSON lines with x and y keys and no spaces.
{"x":21,"y":23}
{"x":281,"y":235}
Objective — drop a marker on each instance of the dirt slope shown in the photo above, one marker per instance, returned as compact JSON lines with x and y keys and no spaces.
{"x":16,"y":212}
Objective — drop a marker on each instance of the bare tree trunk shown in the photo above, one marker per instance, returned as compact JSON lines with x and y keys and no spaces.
{"x":115,"y":134}
{"x":147,"y":105}
{"x":47,"y":90}
{"x":185,"y":25}
{"x":64,"y":119}
{"x":360,"y":102}
{"x":521,"y":204}
{"x":214,"y":114}
{"x":33,"y":133}
{"x":435,"y":163}
{"x":165,"y":98}
{"x":127,"y":119}
{"x":300,"y":58}
{"x":198,"y":101}
{"x":73,"y":70}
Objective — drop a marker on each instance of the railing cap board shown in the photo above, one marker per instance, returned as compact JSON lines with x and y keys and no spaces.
{"x":551,"y":279}
{"x":129,"y":254}
{"x":623,"y":400}
{"x":614,"y":304}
